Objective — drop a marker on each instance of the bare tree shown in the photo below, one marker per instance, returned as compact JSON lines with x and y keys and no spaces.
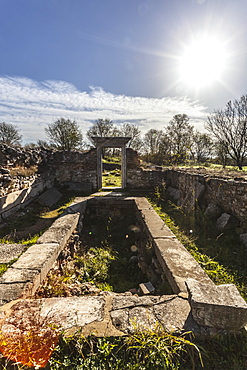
{"x":102,"y":128}
{"x":132,"y":131}
{"x":155,"y":146}
{"x":9,"y":134}
{"x":152,"y":140}
{"x":229,"y":127}
{"x":221,"y":152}
{"x":180,"y":134}
{"x":202,"y":146}
{"x":65,"y":134}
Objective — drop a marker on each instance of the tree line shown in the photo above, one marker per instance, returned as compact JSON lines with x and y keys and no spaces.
{"x":179,"y":142}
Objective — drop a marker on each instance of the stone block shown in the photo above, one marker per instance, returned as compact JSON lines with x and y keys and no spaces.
{"x":174,"y":193}
{"x":61,"y":230}
{"x":65,"y":312}
{"x":173,"y":314}
{"x":10,"y":292}
{"x":178,"y":264}
{"x":49,"y":197}
{"x":226,"y":222}
{"x":9,"y":252}
{"x":38,"y":257}
{"x":154,"y":225}
{"x":217,"y":306}
{"x":147,"y":288}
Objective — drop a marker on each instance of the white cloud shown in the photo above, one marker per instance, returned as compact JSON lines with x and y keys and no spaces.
{"x":31,"y":105}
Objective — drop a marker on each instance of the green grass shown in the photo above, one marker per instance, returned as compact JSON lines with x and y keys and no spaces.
{"x":3,"y":267}
{"x":112,"y":179}
{"x":221,"y":256}
{"x":146,"y":350}
{"x":214,"y":166}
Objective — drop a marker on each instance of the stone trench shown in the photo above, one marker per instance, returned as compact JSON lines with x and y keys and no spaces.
{"x":196,"y":303}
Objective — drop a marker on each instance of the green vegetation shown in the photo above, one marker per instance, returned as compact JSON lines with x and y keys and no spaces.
{"x":3,"y":267}
{"x":103,"y":258}
{"x":111,"y":159}
{"x":111,"y":178}
{"x":146,"y":350}
{"x":220,"y":255}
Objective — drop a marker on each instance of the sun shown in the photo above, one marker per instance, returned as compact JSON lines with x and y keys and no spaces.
{"x":203,"y":62}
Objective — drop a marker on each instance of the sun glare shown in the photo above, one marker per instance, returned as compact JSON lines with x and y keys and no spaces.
{"x":203,"y":62}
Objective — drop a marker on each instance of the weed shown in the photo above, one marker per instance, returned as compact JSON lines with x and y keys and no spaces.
{"x":3,"y":267}
{"x":151,"y":350}
{"x":26,"y":337}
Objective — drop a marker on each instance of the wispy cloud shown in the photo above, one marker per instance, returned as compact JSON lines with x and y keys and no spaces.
{"x":32,"y":105}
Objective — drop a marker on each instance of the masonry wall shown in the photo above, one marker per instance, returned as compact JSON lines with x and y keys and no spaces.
{"x":192,"y":191}
{"x":76,"y":170}
{"x":73,"y":170}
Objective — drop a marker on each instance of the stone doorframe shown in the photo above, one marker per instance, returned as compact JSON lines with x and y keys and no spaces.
{"x":110,"y":142}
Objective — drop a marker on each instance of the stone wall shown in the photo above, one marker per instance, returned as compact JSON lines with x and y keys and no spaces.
{"x":213,"y":196}
{"x":75,"y":170}
{"x":78,"y":171}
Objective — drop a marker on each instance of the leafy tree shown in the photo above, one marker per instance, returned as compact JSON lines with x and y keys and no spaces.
{"x":229,"y":127}
{"x":179,"y":133}
{"x":202,"y":146}
{"x":9,"y":134}
{"x":64,"y":134}
{"x":132,"y":131}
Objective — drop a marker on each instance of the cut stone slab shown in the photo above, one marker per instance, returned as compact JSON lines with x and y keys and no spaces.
{"x":74,"y":311}
{"x":154,"y":225}
{"x":147,"y":313}
{"x":8,"y":252}
{"x":226,"y":222}
{"x":66,"y":313}
{"x":49,"y":197}
{"x":217,"y":306}
{"x":24,"y":277}
{"x":61,"y":230}
{"x":178,"y":264}
{"x":173,"y":314}
{"x":147,"y":288}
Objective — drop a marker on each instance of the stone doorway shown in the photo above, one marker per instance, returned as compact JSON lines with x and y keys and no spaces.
{"x":111,"y":142}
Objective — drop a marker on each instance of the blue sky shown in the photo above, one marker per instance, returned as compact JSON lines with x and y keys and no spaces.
{"x":118,"y":59}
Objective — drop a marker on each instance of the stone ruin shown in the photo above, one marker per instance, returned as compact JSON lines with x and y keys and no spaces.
{"x":196,"y":303}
